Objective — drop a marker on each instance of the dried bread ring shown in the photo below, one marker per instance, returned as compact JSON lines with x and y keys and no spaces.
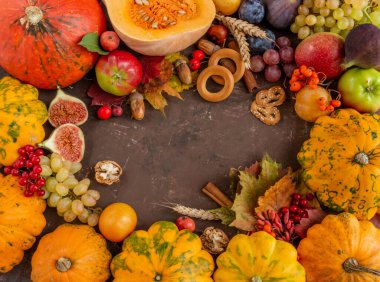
{"x":229,"y":54}
{"x":222,"y":94}
{"x":268,"y":115}
{"x":272,"y":97}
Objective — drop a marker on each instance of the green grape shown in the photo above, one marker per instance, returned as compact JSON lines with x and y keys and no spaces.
{"x":60,"y":213}
{"x":303,"y":10}
{"x":47,"y":193}
{"x":67,"y":164}
{"x":62,"y":189}
{"x":80,"y":189}
{"x":64,"y":205}
{"x":344,"y":33}
{"x":55,"y":155}
{"x":324,"y":12}
{"x":308,"y":3}
{"x":330,"y":22}
{"x":375,"y":18}
{"x":335,"y":29}
{"x":300,"y":20}
{"x":320,"y":21}
{"x":315,"y":10}
{"x":319,"y":3}
{"x":44,"y":160}
{"x":343,"y":23}
{"x":338,"y":13}
{"x":84,"y":216}
{"x":310,"y":20}
{"x":70,"y":182}
{"x":351,"y":23}
{"x":93,"y":193}
{"x":77,"y":207}
{"x":93,"y":219}
{"x":75,"y":167}
{"x":347,"y":9}
{"x":294,"y":28}
{"x":85,"y":181}
{"x":62,"y":174}
{"x":53,"y":200}
{"x":88,"y":201}
{"x":303,"y":32}
{"x":359,"y":4}
{"x":319,"y":29}
{"x":69,"y":216}
{"x":332,"y":4}
{"x":46,"y":171}
{"x":348,"y":1}
{"x":56,"y":164}
{"x":51,"y":183}
{"x":356,"y":14}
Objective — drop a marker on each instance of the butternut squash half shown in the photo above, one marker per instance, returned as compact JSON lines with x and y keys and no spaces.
{"x":160,"y":27}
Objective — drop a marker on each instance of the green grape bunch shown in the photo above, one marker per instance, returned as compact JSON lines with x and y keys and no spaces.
{"x":337,"y":16}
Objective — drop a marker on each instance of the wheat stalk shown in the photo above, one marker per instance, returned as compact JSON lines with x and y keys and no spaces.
{"x":192,"y":212}
{"x":244,"y":48}
{"x":245,"y":27}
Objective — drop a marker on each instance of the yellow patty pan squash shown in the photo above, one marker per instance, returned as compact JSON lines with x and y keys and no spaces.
{"x":258,"y":258}
{"x":21,"y":220}
{"x":21,"y":118}
{"x":162,"y":254}
{"x":341,"y":162}
{"x":337,"y":250}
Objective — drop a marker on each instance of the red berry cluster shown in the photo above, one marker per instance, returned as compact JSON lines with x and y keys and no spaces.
{"x":298,"y":208}
{"x":27,"y":168}
{"x":195,"y":62}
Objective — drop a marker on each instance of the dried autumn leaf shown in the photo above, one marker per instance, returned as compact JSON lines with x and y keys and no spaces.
{"x":254,"y":169}
{"x":102,"y":98}
{"x":171,"y":91}
{"x":156,"y":99}
{"x":315,"y":216}
{"x":225,"y":214}
{"x":251,"y":189}
{"x":277,"y":196}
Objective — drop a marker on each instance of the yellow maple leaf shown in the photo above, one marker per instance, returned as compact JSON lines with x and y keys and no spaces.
{"x":279,"y":195}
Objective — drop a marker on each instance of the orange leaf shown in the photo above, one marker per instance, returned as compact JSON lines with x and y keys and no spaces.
{"x":277,"y":196}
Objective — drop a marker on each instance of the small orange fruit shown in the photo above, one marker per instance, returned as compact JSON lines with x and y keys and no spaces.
{"x":117,"y":221}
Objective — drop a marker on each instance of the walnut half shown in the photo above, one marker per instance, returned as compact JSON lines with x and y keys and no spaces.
{"x":107,"y":172}
{"x":214,"y":240}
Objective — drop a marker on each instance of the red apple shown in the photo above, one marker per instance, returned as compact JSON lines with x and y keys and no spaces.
{"x":109,"y":40}
{"x":324,"y":52}
{"x":118,"y":73}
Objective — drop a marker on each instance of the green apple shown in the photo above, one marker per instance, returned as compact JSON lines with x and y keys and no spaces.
{"x":360,"y":89}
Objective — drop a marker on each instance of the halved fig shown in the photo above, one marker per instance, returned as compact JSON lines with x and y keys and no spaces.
{"x":66,"y":140}
{"x":67,"y":109}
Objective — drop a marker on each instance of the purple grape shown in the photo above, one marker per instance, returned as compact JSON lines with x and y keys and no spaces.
{"x":289,"y":68}
{"x":271,"y":57}
{"x":272,"y":73}
{"x":287,"y":55}
{"x":283,"y":41}
{"x":257,"y":63}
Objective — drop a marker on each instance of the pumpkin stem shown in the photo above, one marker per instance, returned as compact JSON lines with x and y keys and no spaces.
{"x":63,"y":264}
{"x":351,"y":265}
{"x":33,"y":15}
{"x":256,"y":279}
{"x":362,"y":158}
{"x":157,"y":278}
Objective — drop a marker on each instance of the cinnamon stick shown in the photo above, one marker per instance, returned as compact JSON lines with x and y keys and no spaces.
{"x":217,"y":195}
{"x":249,"y":78}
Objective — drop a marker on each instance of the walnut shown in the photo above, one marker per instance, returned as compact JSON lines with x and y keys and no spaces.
{"x":107,"y":172}
{"x":214,"y":240}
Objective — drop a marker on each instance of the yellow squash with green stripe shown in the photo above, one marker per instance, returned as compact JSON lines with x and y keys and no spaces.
{"x":341,"y":162}
{"x":21,"y":118}
{"x":162,"y":254}
{"x":21,"y":220}
{"x":258,"y":258}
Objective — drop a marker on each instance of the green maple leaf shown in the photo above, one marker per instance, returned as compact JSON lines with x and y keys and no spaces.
{"x":225,"y":214}
{"x":251,"y":189}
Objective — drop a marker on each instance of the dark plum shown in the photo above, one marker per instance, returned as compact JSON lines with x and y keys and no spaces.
{"x":259,"y":45}
{"x":252,"y":11}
